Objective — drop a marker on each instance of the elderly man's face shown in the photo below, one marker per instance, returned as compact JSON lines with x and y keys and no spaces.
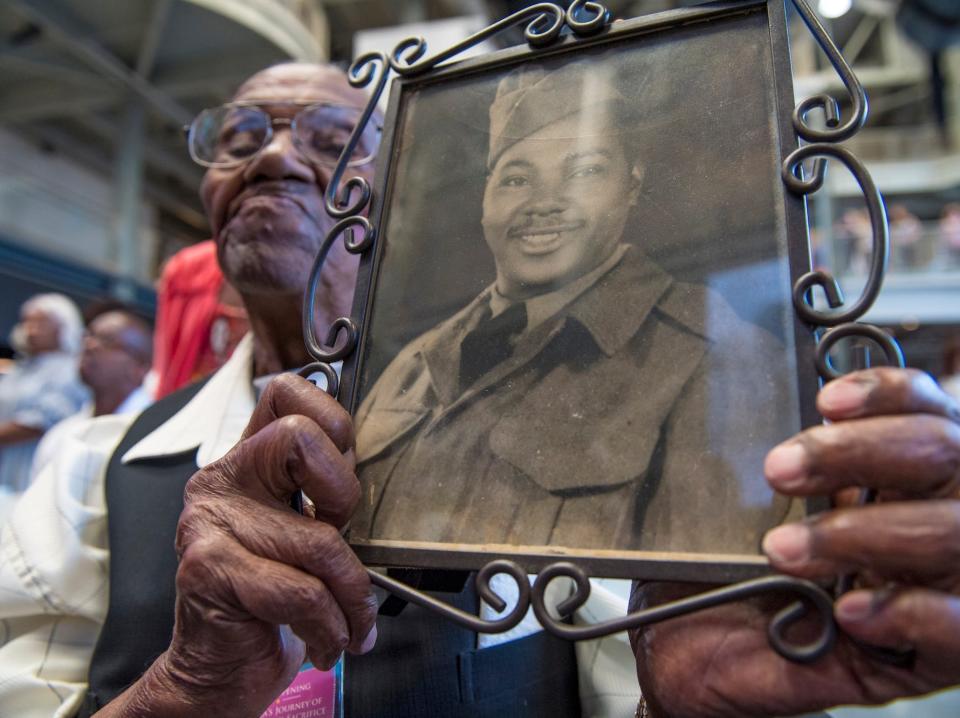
{"x":41,"y":332}
{"x":116,"y":349}
{"x":267,"y":215}
{"x":555,"y":205}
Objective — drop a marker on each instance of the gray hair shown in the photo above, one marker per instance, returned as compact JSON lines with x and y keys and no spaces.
{"x":64,"y":312}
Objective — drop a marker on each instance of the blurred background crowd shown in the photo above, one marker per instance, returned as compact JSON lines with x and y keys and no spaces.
{"x":109,"y":291}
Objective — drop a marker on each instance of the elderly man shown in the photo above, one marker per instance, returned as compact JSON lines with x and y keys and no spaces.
{"x":41,"y":389}
{"x":259,"y":587}
{"x":117,"y":353}
{"x":263,"y":193}
{"x":115,"y":359}
{"x":586,"y":399}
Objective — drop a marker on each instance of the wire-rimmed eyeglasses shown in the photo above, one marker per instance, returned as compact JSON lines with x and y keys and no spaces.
{"x":229,"y":135}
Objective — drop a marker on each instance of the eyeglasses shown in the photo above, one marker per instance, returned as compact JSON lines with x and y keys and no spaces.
{"x":111,"y":342}
{"x":229,"y":135}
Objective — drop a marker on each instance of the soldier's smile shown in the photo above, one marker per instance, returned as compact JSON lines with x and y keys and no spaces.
{"x":543,"y":240}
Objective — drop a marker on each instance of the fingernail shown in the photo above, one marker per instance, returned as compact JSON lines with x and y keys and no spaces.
{"x":786,"y":465}
{"x":855,"y":606}
{"x":370,"y":641}
{"x":844,"y":396}
{"x":788,"y":544}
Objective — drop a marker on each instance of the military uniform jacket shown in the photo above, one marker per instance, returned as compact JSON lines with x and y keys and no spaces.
{"x":637,"y":417}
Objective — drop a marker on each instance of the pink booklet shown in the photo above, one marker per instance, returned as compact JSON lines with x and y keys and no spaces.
{"x":312,"y":694}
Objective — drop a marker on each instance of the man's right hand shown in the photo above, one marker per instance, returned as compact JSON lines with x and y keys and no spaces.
{"x":260,"y":586}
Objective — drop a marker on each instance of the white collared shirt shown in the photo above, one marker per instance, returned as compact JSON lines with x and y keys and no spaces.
{"x":136,"y":401}
{"x":213,"y":420}
{"x":54,"y":557}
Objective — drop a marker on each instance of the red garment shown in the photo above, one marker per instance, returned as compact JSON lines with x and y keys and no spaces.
{"x":188,"y":306}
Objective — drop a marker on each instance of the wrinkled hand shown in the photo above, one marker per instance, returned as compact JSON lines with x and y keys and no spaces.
{"x":259,"y":586}
{"x":891,"y":430}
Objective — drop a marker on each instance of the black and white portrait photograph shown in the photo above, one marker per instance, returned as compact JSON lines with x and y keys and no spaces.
{"x":581,"y":335}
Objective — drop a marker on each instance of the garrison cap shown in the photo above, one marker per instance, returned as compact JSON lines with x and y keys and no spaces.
{"x":532,"y":97}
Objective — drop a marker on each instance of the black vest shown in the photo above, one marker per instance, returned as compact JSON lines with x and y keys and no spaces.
{"x":421,"y":666}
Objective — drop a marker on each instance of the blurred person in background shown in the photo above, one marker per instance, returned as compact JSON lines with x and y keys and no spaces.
{"x":856,"y":234}
{"x":950,"y":232}
{"x":905,"y":235}
{"x":200,"y":319}
{"x":42,"y":388}
{"x":116,"y":356}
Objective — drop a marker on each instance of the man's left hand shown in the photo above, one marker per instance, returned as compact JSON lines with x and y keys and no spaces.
{"x":890,"y":430}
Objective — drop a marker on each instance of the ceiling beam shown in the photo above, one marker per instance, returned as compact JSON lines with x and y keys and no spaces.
{"x":160,"y":159}
{"x":859,"y":37}
{"x":899,"y":98}
{"x":209,"y":71}
{"x":70,"y":35}
{"x":276,"y":22}
{"x":29,"y":101}
{"x":151,"y":38}
{"x":96,"y":160}
{"x":870,"y":77}
{"x":30,"y":62}
{"x":41,"y":102}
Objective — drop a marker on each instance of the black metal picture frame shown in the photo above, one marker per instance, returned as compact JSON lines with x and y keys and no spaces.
{"x":553,"y":33}
{"x":442,"y":112}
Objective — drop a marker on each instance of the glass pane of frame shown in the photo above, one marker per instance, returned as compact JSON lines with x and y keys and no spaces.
{"x":579,"y":338}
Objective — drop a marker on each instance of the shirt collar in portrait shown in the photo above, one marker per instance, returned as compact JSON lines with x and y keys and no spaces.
{"x":628,"y":292}
{"x":543,"y":306}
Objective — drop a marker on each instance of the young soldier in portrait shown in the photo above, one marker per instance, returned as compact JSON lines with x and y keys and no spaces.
{"x":586,"y":398}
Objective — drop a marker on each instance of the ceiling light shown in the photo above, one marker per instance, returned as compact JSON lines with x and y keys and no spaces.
{"x":834,"y":8}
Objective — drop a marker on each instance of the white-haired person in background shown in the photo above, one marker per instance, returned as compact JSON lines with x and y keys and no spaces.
{"x":42,"y":388}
